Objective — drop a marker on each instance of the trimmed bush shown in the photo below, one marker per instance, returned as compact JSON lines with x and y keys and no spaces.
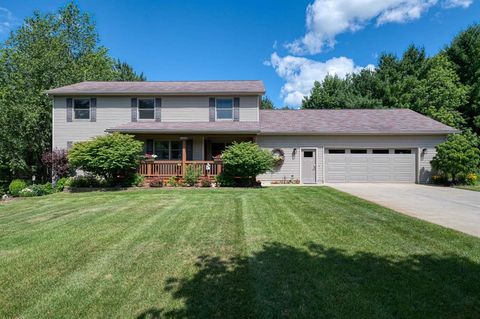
{"x":57,"y":162}
{"x":242,"y":162}
{"x":114,"y":157}
{"x":16,"y":186}
{"x":61,"y":183}
{"x":42,"y":189}
{"x":86,"y":181}
{"x":192,"y":175}
{"x":458,"y":156}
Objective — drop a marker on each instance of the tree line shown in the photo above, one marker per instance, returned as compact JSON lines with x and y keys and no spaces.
{"x":48,"y":50}
{"x":445,"y":87}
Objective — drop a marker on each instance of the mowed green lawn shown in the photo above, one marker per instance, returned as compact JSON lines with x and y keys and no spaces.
{"x":284,"y":252}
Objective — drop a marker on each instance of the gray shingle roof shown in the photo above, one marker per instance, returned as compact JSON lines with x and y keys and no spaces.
{"x":364,"y":121}
{"x":164,"y":88}
{"x":306,"y":122}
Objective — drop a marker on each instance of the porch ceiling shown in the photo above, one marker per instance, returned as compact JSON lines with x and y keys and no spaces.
{"x":188,"y":127}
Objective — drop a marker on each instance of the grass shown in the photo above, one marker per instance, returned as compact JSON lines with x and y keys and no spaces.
{"x":299,"y":252}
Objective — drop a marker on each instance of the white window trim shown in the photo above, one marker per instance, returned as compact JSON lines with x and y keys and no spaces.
{"x":154,"y":108}
{"x":233,"y":107}
{"x":89,"y":109}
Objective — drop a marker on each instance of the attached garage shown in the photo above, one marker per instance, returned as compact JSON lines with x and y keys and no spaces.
{"x":370,"y":165}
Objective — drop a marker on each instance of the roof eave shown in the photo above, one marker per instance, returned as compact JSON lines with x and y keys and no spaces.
{"x":53,"y":93}
{"x":363,"y":133}
{"x":163,"y":131}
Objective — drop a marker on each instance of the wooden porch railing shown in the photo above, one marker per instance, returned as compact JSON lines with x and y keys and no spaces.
{"x":152,"y":169}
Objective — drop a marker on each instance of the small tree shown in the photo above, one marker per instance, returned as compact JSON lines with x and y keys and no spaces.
{"x":459,"y":155}
{"x":57,"y":163}
{"x":113,"y":156}
{"x":244,"y":161}
{"x":192,"y":175}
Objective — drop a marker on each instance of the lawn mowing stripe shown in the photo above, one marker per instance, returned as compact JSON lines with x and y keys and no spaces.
{"x":82,"y":275}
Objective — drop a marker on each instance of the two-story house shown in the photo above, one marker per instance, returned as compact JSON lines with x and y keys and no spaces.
{"x":192,"y":122}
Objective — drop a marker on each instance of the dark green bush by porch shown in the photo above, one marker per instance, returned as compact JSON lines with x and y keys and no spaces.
{"x":242,"y":162}
{"x":114,"y":157}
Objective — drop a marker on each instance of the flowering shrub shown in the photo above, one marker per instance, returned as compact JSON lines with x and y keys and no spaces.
{"x":26,"y":192}
{"x":471,"y":179}
{"x":150,"y":156}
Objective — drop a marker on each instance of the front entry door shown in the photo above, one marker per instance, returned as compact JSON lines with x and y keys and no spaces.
{"x":309,"y":166}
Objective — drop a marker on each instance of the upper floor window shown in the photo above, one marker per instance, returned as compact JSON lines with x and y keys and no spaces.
{"x":146,"y":109}
{"x":81,"y":109}
{"x":224,"y":109}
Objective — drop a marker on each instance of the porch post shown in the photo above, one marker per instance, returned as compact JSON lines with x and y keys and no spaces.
{"x":184,"y":153}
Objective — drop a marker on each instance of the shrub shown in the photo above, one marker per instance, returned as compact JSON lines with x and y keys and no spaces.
{"x":192,"y":175}
{"x":225,"y":180}
{"x":133,"y":180}
{"x":26,"y":192}
{"x":57,"y":162}
{"x":41,"y":189}
{"x":439,"y":179}
{"x":16,"y":186}
{"x":471,"y":179}
{"x":86,"y":181}
{"x":205,"y":182}
{"x":242,"y":162}
{"x":61,"y":183}
{"x":173,"y":182}
{"x":459,"y":155}
{"x":157,"y":182}
{"x":113,"y":156}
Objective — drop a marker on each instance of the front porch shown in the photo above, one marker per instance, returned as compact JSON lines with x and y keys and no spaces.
{"x":175,"y":153}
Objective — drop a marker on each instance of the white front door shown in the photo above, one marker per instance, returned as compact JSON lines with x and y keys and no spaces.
{"x":309,"y":166}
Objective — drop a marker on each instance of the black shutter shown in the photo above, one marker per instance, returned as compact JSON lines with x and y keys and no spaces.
{"x":69,"y":145}
{"x":236,"y":109}
{"x":158,"y":109}
{"x":211,"y":109}
{"x":149,"y":147}
{"x":134,"y":109}
{"x":69,"y":109}
{"x":93,"y":109}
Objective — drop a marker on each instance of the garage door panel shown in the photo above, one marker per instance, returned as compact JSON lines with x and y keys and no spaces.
{"x":374,"y":168}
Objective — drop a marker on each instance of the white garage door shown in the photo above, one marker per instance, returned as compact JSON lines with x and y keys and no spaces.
{"x":369,"y":166}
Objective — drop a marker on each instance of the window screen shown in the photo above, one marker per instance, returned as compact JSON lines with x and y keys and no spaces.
{"x":81,"y":109}
{"x":224,"y":109}
{"x":146,"y":109}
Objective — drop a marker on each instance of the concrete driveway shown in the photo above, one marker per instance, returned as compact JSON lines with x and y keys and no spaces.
{"x":450,"y":207}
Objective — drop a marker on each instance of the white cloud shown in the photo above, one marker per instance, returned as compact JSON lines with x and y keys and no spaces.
{"x":300,"y":73}
{"x":6,"y":20}
{"x":325,"y":19}
{"x":457,"y":3}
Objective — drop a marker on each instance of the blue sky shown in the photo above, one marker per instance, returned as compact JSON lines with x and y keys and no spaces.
{"x":267,"y":40}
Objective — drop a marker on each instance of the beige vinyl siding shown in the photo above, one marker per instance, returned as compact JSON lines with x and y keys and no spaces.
{"x":116,"y":110}
{"x":291,"y":166}
{"x":185,"y":109}
{"x":111,"y":111}
{"x":249,"y":108}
